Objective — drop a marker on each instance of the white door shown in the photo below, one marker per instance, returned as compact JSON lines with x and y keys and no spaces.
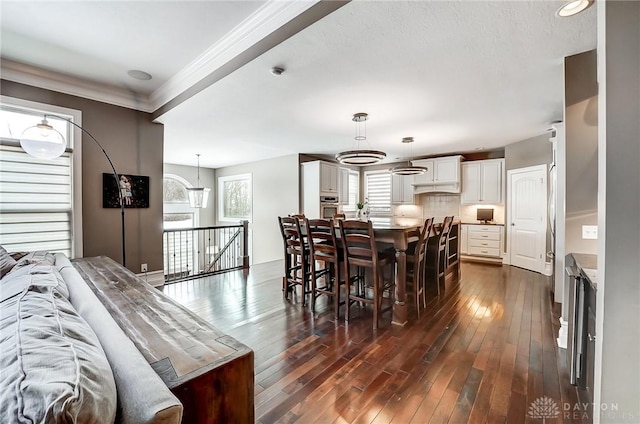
{"x":527,"y":217}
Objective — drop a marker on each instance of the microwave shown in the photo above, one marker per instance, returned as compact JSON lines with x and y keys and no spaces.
{"x":329,"y":206}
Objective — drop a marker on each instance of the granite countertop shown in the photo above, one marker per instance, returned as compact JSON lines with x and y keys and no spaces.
{"x":480,"y":223}
{"x":588,"y":263}
{"x":395,"y":223}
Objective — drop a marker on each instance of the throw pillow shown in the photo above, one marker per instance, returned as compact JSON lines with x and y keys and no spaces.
{"x":6,"y":262}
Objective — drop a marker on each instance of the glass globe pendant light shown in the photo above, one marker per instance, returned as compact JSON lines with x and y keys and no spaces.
{"x":42,"y":141}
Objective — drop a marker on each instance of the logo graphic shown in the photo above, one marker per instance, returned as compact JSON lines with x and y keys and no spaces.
{"x":544,"y":407}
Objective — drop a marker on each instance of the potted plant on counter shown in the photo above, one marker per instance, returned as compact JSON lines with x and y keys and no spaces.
{"x":363,"y":209}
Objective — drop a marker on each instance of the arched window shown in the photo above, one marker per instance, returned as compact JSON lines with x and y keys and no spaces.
{"x":177,"y":212}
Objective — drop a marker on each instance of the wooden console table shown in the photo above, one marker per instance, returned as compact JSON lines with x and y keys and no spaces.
{"x":211,"y":373}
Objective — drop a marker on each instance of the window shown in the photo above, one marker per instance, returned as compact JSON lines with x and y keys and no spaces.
{"x":37,"y":196}
{"x":377,"y":190}
{"x":354,"y":191}
{"x":234,"y":198}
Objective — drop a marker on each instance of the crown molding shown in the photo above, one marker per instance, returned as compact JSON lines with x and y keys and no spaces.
{"x":30,"y":75}
{"x":267,"y":19}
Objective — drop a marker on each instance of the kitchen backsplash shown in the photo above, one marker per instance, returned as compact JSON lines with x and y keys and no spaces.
{"x":440,"y":205}
{"x":468,"y":213}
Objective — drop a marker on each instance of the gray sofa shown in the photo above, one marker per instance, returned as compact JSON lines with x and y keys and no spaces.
{"x":62,"y":356}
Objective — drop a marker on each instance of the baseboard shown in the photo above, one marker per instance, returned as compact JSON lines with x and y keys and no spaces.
{"x":548,"y":269}
{"x":483,"y":259}
{"x":155,"y":278}
{"x":563,"y":333}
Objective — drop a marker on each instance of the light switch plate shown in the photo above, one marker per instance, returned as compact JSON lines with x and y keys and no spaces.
{"x":590,"y":232}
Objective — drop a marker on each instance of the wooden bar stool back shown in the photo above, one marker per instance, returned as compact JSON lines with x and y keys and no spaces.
{"x":323,"y":247}
{"x":416,"y":262}
{"x":361,"y":253}
{"x":296,"y":263}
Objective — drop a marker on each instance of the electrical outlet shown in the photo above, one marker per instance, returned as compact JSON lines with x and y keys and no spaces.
{"x":143,"y":267}
{"x":590,"y":232}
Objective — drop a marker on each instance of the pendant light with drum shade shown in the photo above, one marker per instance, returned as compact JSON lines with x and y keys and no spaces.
{"x":408,"y":169}
{"x":359,"y":156}
{"x":198,"y":196}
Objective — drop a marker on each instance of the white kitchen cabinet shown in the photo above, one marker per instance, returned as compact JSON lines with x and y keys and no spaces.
{"x":464,"y":240}
{"x":483,"y":182}
{"x":443,"y":175}
{"x":402,"y":189}
{"x":482,"y":242}
{"x":343,"y":184}
{"x":328,"y":179}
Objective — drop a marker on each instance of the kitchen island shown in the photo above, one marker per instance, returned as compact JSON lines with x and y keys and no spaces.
{"x":395,"y":230}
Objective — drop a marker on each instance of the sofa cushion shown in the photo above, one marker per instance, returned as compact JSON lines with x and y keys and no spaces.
{"x":52,"y":367}
{"x":6,"y":262}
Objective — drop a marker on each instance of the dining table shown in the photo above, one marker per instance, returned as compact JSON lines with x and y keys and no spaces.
{"x":395,"y":230}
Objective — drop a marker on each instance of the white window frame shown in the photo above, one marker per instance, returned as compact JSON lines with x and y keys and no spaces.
{"x":374,"y":210}
{"x":351,"y":207}
{"x":76,"y":156}
{"x":220,"y":197}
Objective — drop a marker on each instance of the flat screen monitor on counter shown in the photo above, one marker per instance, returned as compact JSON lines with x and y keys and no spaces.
{"x":485,"y":215}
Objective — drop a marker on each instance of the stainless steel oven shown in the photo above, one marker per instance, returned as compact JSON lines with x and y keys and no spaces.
{"x":329,"y":206}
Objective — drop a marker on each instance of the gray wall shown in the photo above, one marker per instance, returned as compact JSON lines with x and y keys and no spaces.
{"x":206,"y":216}
{"x":617,"y":371}
{"x":530,"y":152}
{"x":275,"y":193}
{"x":135,"y":145}
{"x":581,"y":132}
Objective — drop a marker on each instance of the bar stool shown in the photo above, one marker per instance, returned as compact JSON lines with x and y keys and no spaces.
{"x":323,"y":247}
{"x":437,"y":253}
{"x":296,"y":258}
{"x":360,"y":252}
{"x":416,"y":258}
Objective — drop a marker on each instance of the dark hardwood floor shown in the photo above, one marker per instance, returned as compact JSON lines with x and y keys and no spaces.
{"x":483,"y":351}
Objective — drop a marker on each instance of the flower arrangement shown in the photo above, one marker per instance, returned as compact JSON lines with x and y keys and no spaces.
{"x":363,"y":208}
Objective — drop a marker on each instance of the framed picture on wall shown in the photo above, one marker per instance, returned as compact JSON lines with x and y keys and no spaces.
{"x":134,"y":189}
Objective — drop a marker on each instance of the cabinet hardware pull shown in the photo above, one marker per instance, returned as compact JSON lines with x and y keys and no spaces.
{"x":591,"y":338}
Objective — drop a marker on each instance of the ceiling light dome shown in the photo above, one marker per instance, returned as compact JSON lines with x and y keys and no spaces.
{"x":359,"y":156}
{"x":573,"y":8}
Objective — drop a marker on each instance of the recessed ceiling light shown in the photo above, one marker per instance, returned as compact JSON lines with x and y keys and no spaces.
{"x":139,"y":75}
{"x":573,"y":7}
{"x":276,"y":70}
{"x":479,"y":148}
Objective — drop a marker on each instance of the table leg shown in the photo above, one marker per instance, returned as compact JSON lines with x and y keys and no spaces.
{"x":400,"y":305}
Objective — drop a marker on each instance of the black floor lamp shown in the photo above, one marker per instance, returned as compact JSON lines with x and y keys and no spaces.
{"x":42,"y":141}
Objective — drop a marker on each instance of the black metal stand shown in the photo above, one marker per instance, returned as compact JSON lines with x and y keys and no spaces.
{"x":115,"y":176}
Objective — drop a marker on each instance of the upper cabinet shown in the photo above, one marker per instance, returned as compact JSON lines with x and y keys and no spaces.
{"x":328,"y":179}
{"x":483,"y":182}
{"x":443,"y":175}
{"x":402,"y":189}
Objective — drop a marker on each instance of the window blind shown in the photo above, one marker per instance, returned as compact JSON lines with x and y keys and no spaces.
{"x":35,"y":201}
{"x":378,"y":192}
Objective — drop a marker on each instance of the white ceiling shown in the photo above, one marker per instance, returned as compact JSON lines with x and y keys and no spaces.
{"x":456,"y":76}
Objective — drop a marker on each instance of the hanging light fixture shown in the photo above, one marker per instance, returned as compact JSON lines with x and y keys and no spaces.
{"x":42,"y":141}
{"x":198,"y":196}
{"x":359,"y":156}
{"x":408,"y":169}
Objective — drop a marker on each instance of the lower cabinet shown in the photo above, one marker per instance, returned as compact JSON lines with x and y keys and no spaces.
{"x":483,"y":241}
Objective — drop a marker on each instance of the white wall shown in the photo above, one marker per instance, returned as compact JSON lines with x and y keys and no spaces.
{"x":617,"y":371}
{"x":275,"y":193}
